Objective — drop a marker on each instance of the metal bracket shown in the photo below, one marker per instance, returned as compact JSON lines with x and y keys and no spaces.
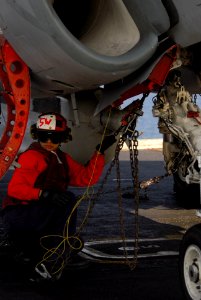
{"x":14,"y":75}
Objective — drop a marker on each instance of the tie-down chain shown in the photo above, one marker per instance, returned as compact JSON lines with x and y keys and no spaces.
{"x":130,"y":135}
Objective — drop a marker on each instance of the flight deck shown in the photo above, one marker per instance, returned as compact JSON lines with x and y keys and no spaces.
{"x":113,"y":271}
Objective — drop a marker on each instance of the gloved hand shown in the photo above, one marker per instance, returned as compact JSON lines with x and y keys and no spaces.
{"x":107,"y":142}
{"x":61,"y":199}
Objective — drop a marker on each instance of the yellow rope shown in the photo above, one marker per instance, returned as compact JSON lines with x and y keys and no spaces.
{"x":56,"y":254}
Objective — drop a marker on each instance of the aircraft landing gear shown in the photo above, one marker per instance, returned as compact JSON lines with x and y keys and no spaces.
{"x":190,"y":263}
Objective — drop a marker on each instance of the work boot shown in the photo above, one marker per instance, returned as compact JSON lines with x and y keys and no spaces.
{"x":41,"y":274}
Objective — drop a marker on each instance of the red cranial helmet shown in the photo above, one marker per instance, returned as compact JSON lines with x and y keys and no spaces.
{"x":51,"y":124}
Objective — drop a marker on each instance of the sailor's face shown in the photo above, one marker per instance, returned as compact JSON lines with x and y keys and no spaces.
{"x":49,"y":146}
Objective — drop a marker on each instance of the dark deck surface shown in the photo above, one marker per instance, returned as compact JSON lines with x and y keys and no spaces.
{"x":156,"y":275}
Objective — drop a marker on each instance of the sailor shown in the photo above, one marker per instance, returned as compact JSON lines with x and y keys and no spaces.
{"x":38,"y":203}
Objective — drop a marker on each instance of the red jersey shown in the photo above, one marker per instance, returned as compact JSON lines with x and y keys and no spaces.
{"x":41,"y":169}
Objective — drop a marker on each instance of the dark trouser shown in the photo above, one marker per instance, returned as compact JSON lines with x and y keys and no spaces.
{"x":27,"y":224}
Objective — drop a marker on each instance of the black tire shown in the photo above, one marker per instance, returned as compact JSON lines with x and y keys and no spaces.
{"x":187,"y":195}
{"x":190,"y":263}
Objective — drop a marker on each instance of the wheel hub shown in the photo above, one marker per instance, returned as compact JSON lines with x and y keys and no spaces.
{"x":194,"y":272}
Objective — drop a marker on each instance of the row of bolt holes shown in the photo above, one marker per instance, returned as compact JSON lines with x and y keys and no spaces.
{"x":16,"y":68}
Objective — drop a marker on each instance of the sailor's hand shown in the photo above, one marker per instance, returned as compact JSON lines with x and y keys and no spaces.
{"x":107,"y":142}
{"x":61,"y":199}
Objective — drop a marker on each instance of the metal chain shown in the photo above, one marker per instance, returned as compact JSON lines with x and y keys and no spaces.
{"x":120,"y":203}
{"x":132,"y":135}
{"x":134,"y":167}
{"x":133,"y":150}
{"x":95,"y":196}
{"x":194,"y":99}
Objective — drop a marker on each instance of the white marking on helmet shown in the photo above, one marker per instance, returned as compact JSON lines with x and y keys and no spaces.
{"x":47,"y":122}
